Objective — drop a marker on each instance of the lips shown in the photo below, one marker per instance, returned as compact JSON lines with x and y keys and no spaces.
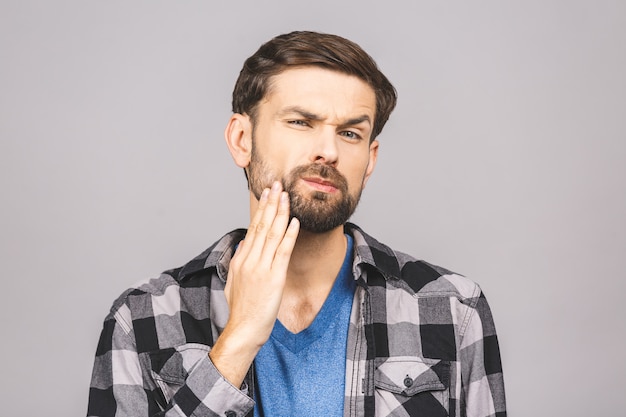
{"x":324,"y":179}
{"x":320,"y":184}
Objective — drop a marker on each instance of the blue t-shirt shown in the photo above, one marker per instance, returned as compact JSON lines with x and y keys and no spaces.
{"x":303,"y":374}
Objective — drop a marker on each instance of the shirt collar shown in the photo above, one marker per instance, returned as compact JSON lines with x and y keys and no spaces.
{"x":367,"y":252}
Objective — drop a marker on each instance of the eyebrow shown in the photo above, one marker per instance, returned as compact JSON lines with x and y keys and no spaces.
{"x":299,"y":110}
{"x":312,"y":116}
{"x":357,"y":120}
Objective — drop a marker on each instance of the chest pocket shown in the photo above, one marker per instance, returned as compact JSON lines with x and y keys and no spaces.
{"x":412,"y":385}
{"x":169,"y":368}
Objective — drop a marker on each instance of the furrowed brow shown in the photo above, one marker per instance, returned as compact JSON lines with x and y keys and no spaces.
{"x":300,"y":111}
{"x":357,"y":120}
{"x":316,"y":117}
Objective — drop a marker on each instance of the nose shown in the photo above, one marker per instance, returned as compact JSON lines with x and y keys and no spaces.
{"x":325,"y":148}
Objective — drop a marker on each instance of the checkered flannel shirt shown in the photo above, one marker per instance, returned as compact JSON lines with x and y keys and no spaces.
{"x":421,"y":342}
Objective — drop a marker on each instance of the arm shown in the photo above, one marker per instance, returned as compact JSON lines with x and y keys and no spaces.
{"x":481,"y":367}
{"x":122,"y":383}
{"x":255,"y":284}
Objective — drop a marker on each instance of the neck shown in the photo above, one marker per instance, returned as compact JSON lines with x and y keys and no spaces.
{"x":316,"y":258}
{"x":315,"y":263}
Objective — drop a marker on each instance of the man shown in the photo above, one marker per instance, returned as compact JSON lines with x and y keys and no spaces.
{"x":303,"y":314}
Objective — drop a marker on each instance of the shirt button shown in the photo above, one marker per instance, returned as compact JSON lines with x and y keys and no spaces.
{"x":408,"y":381}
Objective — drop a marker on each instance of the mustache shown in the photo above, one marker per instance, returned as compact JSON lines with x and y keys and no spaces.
{"x":326,"y":172}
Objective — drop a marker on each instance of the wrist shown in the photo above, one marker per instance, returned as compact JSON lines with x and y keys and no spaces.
{"x":233,"y":355}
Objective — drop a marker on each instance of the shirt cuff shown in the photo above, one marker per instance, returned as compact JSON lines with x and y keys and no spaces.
{"x":206,"y":391}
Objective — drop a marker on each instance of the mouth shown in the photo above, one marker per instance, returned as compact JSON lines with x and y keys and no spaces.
{"x":320,"y":184}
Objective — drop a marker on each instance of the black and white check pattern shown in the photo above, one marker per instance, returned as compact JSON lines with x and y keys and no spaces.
{"x":421,"y":342}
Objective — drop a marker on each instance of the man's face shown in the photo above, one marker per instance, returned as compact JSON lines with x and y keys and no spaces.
{"x":312,"y":133}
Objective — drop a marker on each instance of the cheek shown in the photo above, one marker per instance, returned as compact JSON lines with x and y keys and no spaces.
{"x":356,"y":176}
{"x":360,"y":165}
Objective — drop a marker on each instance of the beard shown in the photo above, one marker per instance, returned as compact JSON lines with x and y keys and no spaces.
{"x":317,"y":211}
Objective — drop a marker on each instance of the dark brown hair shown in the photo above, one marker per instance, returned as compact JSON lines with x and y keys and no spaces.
{"x":305,"y":48}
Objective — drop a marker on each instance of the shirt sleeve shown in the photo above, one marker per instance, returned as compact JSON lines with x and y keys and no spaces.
{"x":124,"y":385}
{"x":481,"y":366}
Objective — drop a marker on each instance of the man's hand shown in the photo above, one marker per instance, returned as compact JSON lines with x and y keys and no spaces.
{"x":254,"y":288}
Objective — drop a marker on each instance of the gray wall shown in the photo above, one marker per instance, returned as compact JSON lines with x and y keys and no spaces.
{"x":505,"y":161}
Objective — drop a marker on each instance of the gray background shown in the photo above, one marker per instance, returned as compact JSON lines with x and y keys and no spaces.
{"x":505,"y":161}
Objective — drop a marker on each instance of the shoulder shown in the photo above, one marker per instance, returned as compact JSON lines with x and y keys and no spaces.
{"x":138,"y":299}
{"x":196,"y":278}
{"x":418,"y":277}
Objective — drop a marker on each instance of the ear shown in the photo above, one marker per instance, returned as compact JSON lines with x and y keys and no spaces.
{"x":373,"y":157}
{"x":238,"y":135}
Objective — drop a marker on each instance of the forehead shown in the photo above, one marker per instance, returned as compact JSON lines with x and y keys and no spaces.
{"x":320,"y":90}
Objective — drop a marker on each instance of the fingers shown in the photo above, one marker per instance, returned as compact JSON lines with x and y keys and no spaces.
{"x":262,"y":226}
{"x":256,"y":220}
{"x":268,"y":226}
{"x":285,"y":248}
{"x":279,"y":225}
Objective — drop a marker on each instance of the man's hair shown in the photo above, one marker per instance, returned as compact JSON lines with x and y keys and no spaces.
{"x":305,"y":48}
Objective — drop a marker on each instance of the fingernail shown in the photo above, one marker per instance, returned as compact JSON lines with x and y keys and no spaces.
{"x":264,"y":194}
{"x":284,"y":197}
{"x":276,"y":186}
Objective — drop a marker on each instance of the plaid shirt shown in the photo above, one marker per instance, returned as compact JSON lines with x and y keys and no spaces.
{"x":421,"y":342}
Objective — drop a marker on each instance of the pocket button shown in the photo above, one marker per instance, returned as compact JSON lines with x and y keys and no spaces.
{"x":408,"y":381}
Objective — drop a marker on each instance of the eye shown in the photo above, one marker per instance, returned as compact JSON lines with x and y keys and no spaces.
{"x":298,"y":123}
{"x":350,"y":135}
